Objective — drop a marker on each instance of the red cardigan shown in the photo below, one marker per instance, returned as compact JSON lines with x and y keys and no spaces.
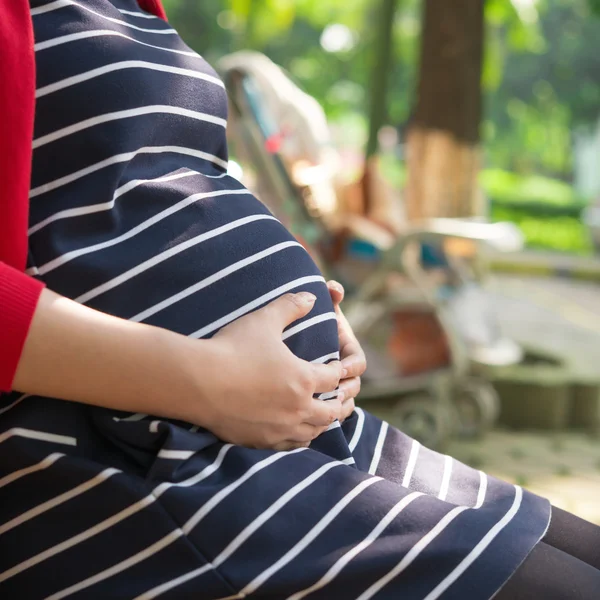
{"x":19,"y":294}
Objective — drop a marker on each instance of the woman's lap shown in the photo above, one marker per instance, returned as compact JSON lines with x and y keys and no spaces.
{"x":194,"y":514}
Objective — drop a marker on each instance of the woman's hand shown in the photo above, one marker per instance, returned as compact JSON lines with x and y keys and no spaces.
{"x":257,"y":392}
{"x":354,"y":362}
{"x":244,"y":384}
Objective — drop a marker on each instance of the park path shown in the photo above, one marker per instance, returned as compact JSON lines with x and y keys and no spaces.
{"x":562,"y":316}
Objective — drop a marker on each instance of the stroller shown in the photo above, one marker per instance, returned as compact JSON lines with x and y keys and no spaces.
{"x":422,"y":285}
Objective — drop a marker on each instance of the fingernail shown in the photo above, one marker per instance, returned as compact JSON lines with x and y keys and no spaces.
{"x":306,"y":297}
{"x":341,"y":396}
{"x":344,"y":373}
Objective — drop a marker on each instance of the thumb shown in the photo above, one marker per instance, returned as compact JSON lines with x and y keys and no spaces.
{"x":336,"y":291}
{"x":289,"y":308}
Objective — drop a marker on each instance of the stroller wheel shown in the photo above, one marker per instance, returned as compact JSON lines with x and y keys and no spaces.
{"x":423,"y":419}
{"x":477,"y":407}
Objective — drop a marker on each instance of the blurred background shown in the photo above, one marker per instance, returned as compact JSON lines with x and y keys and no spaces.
{"x":441,"y":158}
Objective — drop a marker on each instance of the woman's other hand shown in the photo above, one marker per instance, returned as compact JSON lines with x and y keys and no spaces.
{"x":255,"y":392}
{"x":354,"y":362}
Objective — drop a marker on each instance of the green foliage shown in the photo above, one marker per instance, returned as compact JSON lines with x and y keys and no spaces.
{"x":520,"y":189}
{"x":562,"y":234}
{"x":546,"y":210}
{"x":542,"y":81}
{"x":595,"y":6}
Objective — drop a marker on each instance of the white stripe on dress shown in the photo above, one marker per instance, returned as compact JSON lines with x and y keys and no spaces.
{"x":158,"y":109}
{"x":446,"y":478}
{"x":214,"y":278}
{"x":342,"y":562}
{"x":360,"y":422}
{"x":116,"y":518}
{"x":410,"y":466}
{"x":476,"y":552}
{"x":82,"y":35}
{"x":57,"y":500}
{"x":174,"y":535}
{"x":167,"y":540}
{"x":195,"y":479}
{"x":413,"y":553}
{"x":199,"y":515}
{"x":272,"y":510}
{"x":42,"y":436}
{"x":57,"y":4}
{"x":125,"y":157}
{"x":378,"y":448}
{"x":13,"y":404}
{"x":77,"y":539}
{"x":335,"y":425}
{"x":482,"y":490}
{"x":120,"y":191}
{"x":133,"y":13}
{"x":330,"y":316}
{"x":310,"y":536}
{"x":176,"y":454}
{"x":326,"y":358}
{"x":329,"y":395}
{"x":157,"y":259}
{"x":165,"y":587}
{"x":245,"y":533}
{"x":163,"y":214}
{"x":118,"y":66}
{"x":240,"y":312}
{"x":131,"y":418}
{"x":44,"y":464}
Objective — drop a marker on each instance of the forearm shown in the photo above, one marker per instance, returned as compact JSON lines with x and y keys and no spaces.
{"x":75,"y":353}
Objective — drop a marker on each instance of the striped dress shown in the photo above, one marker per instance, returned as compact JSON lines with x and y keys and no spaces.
{"x":132,"y":213}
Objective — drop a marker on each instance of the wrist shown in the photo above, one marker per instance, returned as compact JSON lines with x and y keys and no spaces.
{"x":200,"y":369}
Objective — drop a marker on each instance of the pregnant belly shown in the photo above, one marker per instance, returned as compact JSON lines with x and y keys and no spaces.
{"x":191,"y":268}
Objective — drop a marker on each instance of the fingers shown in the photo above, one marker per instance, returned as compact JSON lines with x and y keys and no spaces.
{"x":348,"y":407}
{"x":325,"y":412}
{"x":302,"y":438}
{"x":350,"y":387}
{"x":305,"y":433}
{"x":336,"y":291}
{"x":326,"y":377}
{"x":289,"y":308}
{"x":290,"y":445}
{"x":354,"y":362}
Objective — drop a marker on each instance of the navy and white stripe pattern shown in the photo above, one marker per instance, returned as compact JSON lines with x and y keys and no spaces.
{"x":132,"y":213}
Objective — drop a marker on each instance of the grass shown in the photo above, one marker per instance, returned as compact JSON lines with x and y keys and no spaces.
{"x":522,"y":480}
{"x":564,"y":471}
{"x":517,"y":453}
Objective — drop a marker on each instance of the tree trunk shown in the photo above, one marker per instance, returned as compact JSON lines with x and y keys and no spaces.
{"x":443,"y":140}
{"x":382,"y":63}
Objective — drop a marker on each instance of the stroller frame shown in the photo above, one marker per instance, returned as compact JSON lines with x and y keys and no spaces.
{"x":429,"y":406}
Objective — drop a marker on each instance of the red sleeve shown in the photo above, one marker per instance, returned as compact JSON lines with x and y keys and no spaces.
{"x":154,"y":7}
{"x":19,"y":295}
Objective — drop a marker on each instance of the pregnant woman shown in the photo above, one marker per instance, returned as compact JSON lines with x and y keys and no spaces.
{"x":175,"y":351}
